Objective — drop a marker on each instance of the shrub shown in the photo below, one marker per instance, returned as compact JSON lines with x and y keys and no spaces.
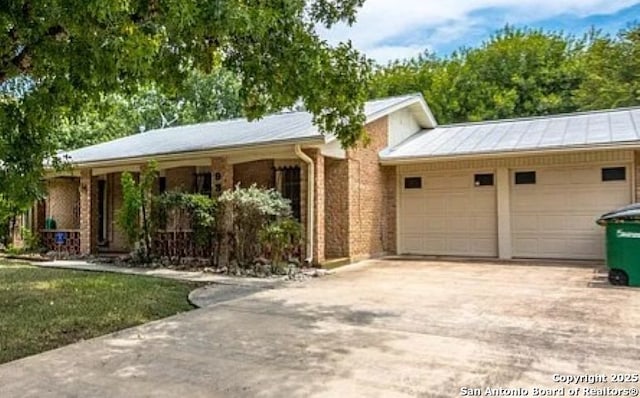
{"x":280,"y":238}
{"x":136,"y":202}
{"x":30,"y":240}
{"x":246,"y":213}
{"x":196,"y":209}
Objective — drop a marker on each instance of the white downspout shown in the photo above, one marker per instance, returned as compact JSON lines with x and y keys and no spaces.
{"x":310,"y":198}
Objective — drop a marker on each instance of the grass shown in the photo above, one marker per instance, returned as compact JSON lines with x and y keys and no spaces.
{"x":41,"y":309}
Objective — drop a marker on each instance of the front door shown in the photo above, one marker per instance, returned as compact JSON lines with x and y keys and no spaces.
{"x":288,"y":184}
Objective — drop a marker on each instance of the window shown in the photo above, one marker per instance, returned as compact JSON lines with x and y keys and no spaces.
{"x":413,"y":183}
{"x":525,"y":177}
{"x":614,"y":174}
{"x":162,"y":184}
{"x":203,"y":184}
{"x":288,"y":184}
{"x":481,"y":180}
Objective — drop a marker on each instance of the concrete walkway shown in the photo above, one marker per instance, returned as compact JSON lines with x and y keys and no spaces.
{"x":191,"y":276}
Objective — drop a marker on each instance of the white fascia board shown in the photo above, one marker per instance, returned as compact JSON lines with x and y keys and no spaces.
{"x":419,"y":109}
{"x":390,"y":161}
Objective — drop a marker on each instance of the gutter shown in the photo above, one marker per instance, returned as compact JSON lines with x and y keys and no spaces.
{"x":394,"y":161}
{"x":310,"y":200}
{"x":211,"y":152}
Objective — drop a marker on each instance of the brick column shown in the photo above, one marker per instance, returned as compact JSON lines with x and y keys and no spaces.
{"x":318,"y":206}
{"x":86,"y":215}
{"x":222,"y":180}
{"x":220,"y":168}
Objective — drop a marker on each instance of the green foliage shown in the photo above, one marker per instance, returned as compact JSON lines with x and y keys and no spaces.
{"x":128,"y":215}
{"x":612,"y":67}
{"x":73,"y":72}
{"x":30,"y":243}
{"x":200,"y":98}
{"x":136,"y":204}
{"x":200,"y":210}
{"x":279,"y":237}
{"x":56,"y":57}
{"x":247,"y":211}
{"x":521,"y":72}
{"x":30,"y":240}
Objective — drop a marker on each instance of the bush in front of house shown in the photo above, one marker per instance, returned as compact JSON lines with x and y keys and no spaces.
{"x":241,"y":230}
{"x":245,"y":212}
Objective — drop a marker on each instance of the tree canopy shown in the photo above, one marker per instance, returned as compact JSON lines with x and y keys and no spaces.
{"x":199,"y":98}
{"x":57,"y":56}
{"x":521,"y":72}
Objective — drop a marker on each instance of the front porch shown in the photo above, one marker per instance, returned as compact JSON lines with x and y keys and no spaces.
{"x":81,"y":209}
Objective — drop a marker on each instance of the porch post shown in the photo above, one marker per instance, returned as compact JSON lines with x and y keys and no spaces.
{"x":86,"y":215}
{"x":222,"y":180}
{"x":221,"y":175}
{"x":318,"y":206}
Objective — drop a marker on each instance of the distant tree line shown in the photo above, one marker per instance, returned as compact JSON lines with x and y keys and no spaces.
{"x":521,"y":72}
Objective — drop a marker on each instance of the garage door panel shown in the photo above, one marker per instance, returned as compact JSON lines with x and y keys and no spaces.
{"x":459,"y":245}
{"x":446,"y":182}
{"x":456,"y":225}
{"x":483,"y":245}
{"x":555,"y":218}
{"x":551,"y":222}
{"x":434,"y":205}
{"x":458,"y":202}
{"x":525,"y":223}
{"x":432,"y":245}
{"x":415,"y":225}
{"x":415,"y":203}
{"x":483,"y":201}
{"x":483,"y":225}
{"x":460,"y":217}
{"x":413,"y":243}
{"x":438,"y":223}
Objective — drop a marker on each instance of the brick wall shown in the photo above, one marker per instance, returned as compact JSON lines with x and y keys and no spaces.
{"x":371,"y":215}
{"x":259,"y":172}
{"x":389,"y":231}
{"x":336,"y":174}
{"x":63,"y":202}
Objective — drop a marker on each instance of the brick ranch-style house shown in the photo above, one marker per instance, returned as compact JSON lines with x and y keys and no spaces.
{"x":521,"y":188}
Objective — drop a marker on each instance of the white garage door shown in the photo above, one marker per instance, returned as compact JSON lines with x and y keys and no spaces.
{"x":553,"y":210}
{"x":445,"y":213}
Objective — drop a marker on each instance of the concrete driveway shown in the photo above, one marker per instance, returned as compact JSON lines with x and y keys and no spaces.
{"x":386,"y":329}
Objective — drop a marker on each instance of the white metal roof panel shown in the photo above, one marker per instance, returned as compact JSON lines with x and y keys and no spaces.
{"x":273,"y":129}
{"x":608,"y":127}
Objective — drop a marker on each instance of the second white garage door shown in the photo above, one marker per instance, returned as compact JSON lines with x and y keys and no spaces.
{"x":446,"y":213}
{"x":553,"y":210}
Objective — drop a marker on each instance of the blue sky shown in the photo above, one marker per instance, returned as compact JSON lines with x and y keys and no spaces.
{"x":390,"y":29}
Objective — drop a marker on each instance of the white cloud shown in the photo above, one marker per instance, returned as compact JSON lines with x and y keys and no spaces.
{"x":380,"y":21}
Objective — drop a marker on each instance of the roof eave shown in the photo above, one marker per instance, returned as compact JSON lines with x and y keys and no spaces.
{"x":425,"y":118}
{"x":394,"y":161}
{"x":222,"y":151}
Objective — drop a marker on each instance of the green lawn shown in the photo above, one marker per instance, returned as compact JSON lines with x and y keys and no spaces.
{"x":41,"y":309}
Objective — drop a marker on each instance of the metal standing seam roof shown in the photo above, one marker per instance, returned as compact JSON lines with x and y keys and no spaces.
{"x":586,"y":129}
{"x":273,"y":129}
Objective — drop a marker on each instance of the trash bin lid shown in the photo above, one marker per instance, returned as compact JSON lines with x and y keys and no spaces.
{"x":630,"y":212}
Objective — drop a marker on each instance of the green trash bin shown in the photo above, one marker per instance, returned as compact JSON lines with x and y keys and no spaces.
{"x":49,"y":223}
{"x":623,"y":245}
